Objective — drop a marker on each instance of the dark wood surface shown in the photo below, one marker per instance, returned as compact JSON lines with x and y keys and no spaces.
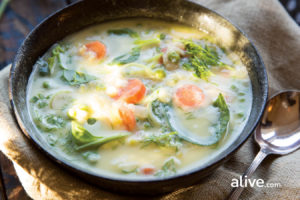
{"x":18,"y":20}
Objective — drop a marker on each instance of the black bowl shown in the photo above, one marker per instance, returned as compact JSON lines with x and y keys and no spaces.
{"x":86,"y":13}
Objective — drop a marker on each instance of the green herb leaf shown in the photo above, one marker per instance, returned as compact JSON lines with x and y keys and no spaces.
{"x":159,"y":115}
{"x":40,"y":100}
{"x":128,"y":58}
{"x":50,"y":122}
{"x":124,"y":31}
{"x":200,"y":59}
{"x":164,"y":140}
{"x":34,"y":99}
{"x":168,"y":169}
{"x":76,"y":78}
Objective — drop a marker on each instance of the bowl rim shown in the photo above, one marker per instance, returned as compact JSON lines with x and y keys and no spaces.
{"x":214,"y":163}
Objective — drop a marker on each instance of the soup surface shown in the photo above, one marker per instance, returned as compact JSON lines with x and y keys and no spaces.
{"x":139,"y":98}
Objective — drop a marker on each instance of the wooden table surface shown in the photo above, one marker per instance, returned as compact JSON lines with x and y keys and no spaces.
{"x":19,"y":18}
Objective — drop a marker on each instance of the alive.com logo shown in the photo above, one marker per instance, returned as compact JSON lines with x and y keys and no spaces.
{"x":246,"y":182}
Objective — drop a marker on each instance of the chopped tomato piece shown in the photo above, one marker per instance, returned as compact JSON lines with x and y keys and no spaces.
{"x":97,"y":47}
{"x":127,"y":117}
{"x":134,"y":92}
{"x":164,"y":50}
{"x":147,"y":170}
{"x":189,"y":96}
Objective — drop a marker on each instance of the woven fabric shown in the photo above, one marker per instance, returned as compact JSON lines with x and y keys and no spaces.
{"x":277,"y":38}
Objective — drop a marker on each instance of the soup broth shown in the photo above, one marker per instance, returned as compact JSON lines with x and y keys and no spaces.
{"x":139,"y":98}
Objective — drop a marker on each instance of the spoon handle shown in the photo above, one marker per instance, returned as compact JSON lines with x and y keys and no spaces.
{"x":235,"y":194}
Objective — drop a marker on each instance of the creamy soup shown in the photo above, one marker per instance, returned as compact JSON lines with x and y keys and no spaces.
{"x":139,"y":98}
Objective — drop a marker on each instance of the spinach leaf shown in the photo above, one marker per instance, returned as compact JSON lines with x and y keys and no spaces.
{"x":200,"y":59}
{"x":221,"y":126}
{"x":124,"y":31}
{"x":218,"y":129}
{"x":73,"y":77}
{"x":44,"y":69}
{"x":47,"y":68}
{"x":168,"y":169}
{"x":85,"y":139}
{"x":81,"y":135}
{"x":128,"y":58}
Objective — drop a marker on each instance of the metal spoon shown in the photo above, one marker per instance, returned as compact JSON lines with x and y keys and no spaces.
{"x":277,"y":133}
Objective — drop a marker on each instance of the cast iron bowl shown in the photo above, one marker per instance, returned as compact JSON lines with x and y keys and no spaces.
{"x":85,"y":13}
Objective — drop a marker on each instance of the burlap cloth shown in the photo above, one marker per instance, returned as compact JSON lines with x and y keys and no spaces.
{"x":277,"y":38}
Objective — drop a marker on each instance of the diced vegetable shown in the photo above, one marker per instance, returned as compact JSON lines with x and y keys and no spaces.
{"x":91,"y":121}
{"x":61,"y":100}
{"x":136,"y":69}
{"x":91,"y":156}
{"x":132,"y":171}
{"x":147,"y":170}
{"x":173,"y":57}
{"x":128,"y":58}
{"x":127,"y":117}
{"x":123,"y":31}
{"x":162,"y":36}
{"x":85,"y":139}
{"x":79,"y":112}
{"x":156,"y":58}
{"x":134,"y":92}
{"x":46,"y":85}
{"x":97,"y":47}
{"x":147,"y":43}
{"x":188,"y":96}
{"x":76,"y":78}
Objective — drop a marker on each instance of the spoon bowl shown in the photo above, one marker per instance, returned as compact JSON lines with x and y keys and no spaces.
{"x":279,"y":129}
{"x":277,"y":133}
